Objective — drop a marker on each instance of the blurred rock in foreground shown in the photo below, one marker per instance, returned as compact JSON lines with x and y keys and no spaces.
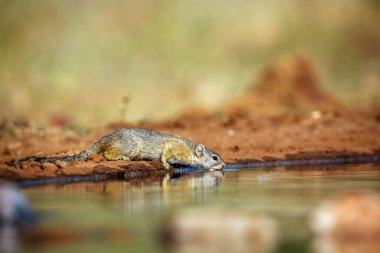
{"x":348,"y":223}
{"x":15,"y":214}
{"x":221,"y":231}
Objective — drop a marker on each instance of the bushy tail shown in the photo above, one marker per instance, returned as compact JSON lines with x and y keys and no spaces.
{"x":99,"y":146}
{"x":81,"y":156}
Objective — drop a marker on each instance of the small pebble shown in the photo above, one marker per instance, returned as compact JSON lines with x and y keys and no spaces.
{"x":231,"y":132}
{"x":61,"y":164}
{"x":48,"y":166}
{"x":316,"y":114}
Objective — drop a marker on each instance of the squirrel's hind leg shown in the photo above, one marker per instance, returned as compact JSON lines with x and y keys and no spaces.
{"x":115,"y":154}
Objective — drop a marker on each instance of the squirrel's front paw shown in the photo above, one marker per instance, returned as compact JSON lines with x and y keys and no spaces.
{"x":125,"y":158}
{"x":166,"y":166}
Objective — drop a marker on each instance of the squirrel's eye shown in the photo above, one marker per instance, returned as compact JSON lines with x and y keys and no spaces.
{"x":215,"y":157}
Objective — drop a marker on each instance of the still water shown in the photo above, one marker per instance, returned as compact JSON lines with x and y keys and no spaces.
{"x":130,"y":216}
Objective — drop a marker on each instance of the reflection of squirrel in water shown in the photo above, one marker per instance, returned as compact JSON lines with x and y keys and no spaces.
{"x":142,"y":144}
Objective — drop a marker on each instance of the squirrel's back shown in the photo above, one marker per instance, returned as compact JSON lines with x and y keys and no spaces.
{"x":133,"y":143}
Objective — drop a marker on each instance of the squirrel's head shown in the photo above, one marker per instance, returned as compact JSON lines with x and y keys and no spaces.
{"x":207,"y":158}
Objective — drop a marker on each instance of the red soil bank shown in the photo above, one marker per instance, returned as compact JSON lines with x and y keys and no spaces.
{"x":284,"y":115}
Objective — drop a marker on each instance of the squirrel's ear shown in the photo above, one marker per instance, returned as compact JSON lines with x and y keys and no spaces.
{"x":200,"y":150}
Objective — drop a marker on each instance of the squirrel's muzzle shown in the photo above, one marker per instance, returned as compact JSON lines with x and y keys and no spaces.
{"x":219,"y":166}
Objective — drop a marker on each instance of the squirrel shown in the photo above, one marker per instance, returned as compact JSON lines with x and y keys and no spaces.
{"x":142,"y":144}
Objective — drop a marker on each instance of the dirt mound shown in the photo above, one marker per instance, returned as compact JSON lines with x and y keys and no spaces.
{"x":289,"y":85}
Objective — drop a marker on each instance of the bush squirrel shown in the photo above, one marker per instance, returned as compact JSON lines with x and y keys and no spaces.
{"x":143,"y":144}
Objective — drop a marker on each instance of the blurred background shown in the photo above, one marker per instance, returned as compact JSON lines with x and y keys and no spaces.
{"x":92,"y":62}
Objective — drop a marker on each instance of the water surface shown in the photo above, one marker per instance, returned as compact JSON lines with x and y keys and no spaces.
{"x":127,"y":216}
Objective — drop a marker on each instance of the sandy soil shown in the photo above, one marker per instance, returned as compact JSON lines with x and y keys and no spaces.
{"x":284,"y":115}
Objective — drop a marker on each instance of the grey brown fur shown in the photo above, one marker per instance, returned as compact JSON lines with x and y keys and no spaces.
{"x":142,"y":144}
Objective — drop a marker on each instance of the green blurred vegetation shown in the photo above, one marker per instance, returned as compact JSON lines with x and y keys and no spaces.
{"x":99,"y":61}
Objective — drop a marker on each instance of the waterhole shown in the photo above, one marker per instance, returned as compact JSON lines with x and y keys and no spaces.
{"x":145,"y":215}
